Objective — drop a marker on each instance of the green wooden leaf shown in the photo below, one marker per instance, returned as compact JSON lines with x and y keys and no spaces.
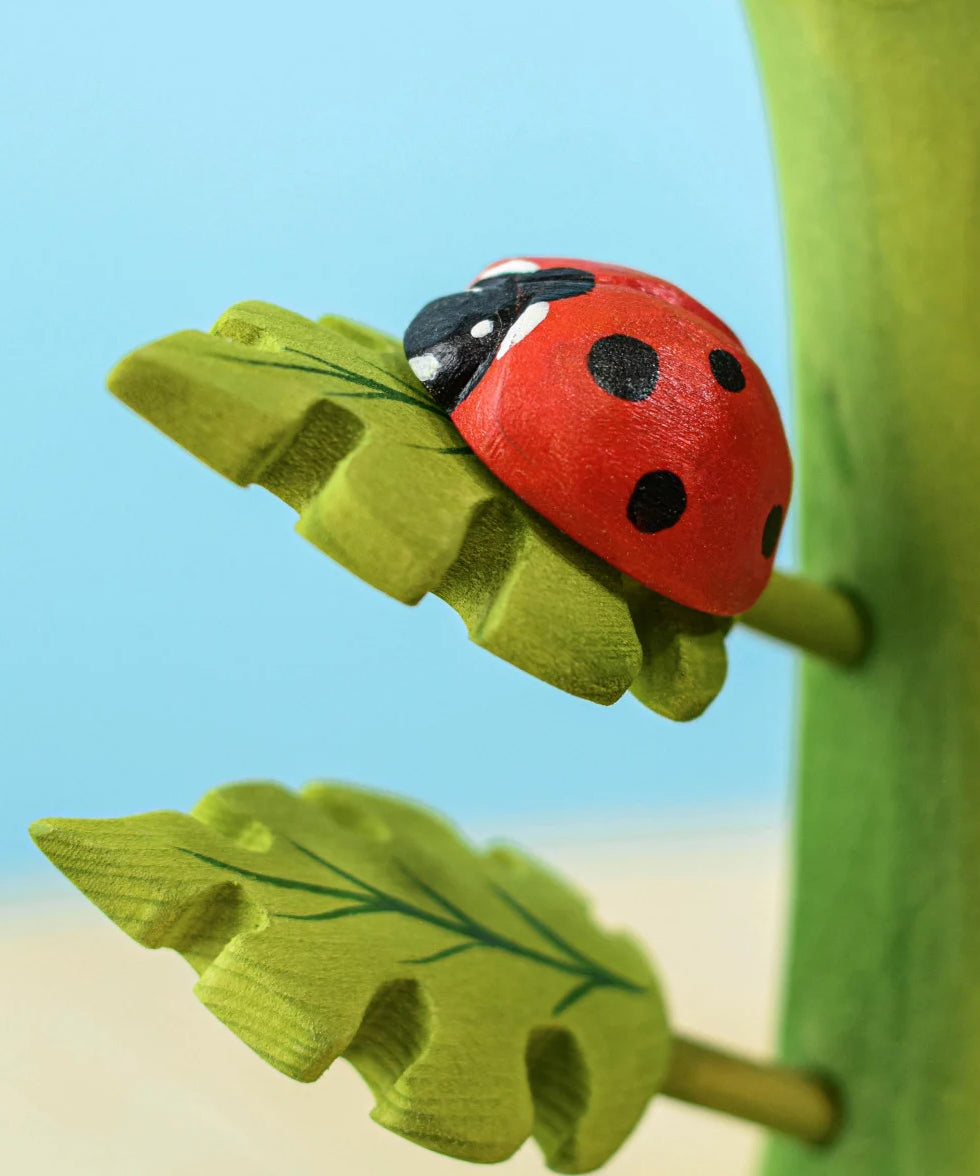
{"x":329,"y":417}
{"x":472,"y":991}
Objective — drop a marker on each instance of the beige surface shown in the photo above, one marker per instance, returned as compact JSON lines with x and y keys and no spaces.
{"x":109,"y":1066}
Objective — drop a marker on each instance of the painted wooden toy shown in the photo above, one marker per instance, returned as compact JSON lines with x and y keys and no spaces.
{"x":624,"y":412}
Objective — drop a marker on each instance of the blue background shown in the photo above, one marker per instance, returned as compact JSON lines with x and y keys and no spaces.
{"x":163,"y":631}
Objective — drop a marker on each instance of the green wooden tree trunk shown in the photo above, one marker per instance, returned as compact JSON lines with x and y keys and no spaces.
{"x":875,"y":110}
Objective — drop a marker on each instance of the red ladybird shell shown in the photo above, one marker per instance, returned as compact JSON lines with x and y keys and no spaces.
{"x":633,"y":420}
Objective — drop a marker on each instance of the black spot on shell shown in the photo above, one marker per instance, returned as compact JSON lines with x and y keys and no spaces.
{"x":727,"y":370}
{"x":624,"y":366}
{"x":657,"y":502}
{"x":771,"y":531}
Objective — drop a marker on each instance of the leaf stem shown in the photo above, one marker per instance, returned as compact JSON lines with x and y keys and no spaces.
{"x":823,"y":620}
{"x":786,"y":1100}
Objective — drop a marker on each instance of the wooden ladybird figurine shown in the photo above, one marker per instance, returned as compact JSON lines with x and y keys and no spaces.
{"x":623,"y":411}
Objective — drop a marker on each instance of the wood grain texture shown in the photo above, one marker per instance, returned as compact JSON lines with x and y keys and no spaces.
{"x":110,"y":1068}
{"x":329,"y":417}
{"x":472,"y":991}
{"x":876,"y":114}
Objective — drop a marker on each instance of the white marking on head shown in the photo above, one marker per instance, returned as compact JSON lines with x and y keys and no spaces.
{"x":481,"y":329}
{"x":516,"y":265}
{"x":535,"y":314}
{"x":424,"y":366}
